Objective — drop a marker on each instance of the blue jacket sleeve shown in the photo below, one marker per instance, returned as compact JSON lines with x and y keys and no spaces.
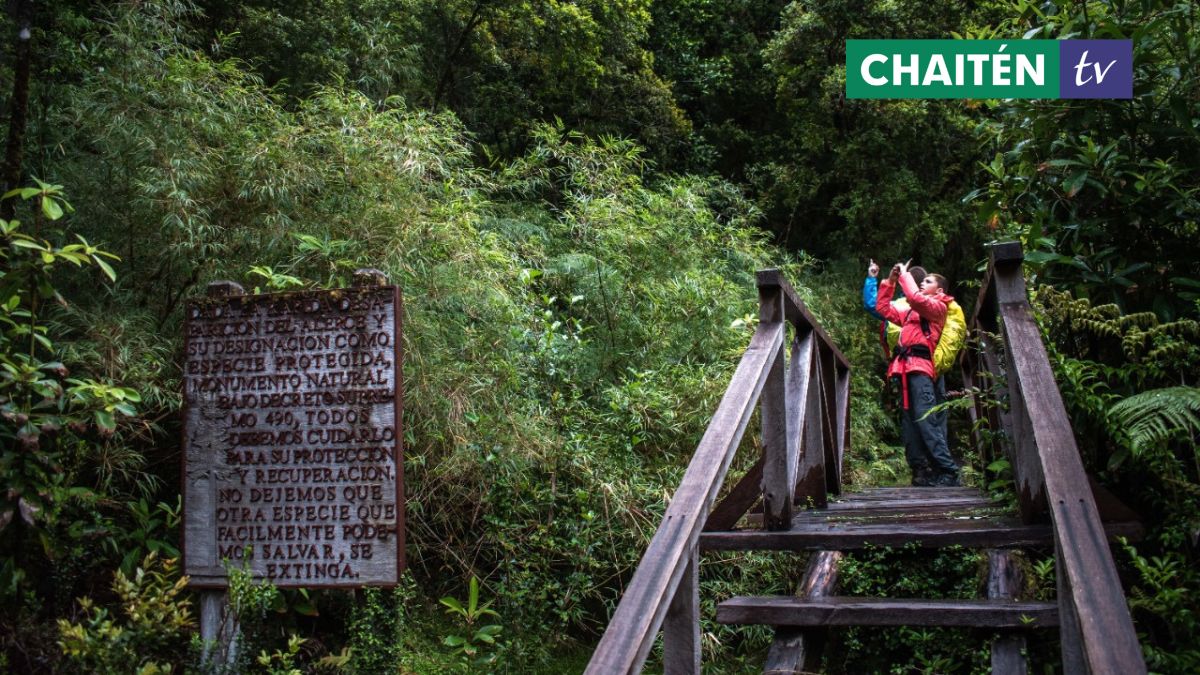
{"x":870,"y":292}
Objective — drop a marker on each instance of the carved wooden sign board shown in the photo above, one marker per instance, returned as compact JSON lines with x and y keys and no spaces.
{"x":292,"y":464}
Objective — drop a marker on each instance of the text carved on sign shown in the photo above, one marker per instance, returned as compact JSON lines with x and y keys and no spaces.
{"x":292,"y":456}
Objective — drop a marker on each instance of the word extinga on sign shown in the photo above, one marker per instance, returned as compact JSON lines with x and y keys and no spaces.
{"x":989,"y":69}
{"x":293,"y":464}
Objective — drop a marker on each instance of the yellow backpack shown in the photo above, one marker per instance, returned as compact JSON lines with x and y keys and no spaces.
{"x":954,"y":334}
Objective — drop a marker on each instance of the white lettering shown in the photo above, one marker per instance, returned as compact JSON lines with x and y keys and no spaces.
{"x":899,"y":70}
{"x":866,"y":70}
{"x":936,"y":71}
{"x":1036,"y":71}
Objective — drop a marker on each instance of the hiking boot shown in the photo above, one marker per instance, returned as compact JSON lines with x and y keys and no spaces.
{"x":947,"y":480}
{"x":922,"y":476}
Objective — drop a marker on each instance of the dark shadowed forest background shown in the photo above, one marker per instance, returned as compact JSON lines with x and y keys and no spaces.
{"x":574,"y":197}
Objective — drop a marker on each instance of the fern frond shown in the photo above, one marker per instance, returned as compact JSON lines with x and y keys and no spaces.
{"x":1154,"y":416}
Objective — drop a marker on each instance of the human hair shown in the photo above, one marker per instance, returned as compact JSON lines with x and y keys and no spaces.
{"x":941,"y":281}
{"x":917,"y":272}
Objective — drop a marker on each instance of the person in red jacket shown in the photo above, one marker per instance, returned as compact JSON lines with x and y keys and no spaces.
{"x":925,"y":446}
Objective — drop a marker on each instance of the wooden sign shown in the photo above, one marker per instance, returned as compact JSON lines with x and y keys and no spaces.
{"x":292,"y":437}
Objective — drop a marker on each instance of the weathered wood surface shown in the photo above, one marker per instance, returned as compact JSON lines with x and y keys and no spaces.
{"x":829,"y":423}
{"x":843,"y":611}
{"x":843,"y":420}
{"x":634,"y":624}
{"x":1097,"y":634}
{"x":292,"y":461}
{"x":779,"y":448}
{"x":681,"y":627}
{"x":740,"y":499}
{"x":1004,"y":583}
{"x":817,"y":534}
{"x":798,"y":650}
{"x":797,"y":312}
{"x":810,"y":488}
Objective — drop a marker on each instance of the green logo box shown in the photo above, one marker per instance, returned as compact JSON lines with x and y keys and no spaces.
{"x":952,"y":68}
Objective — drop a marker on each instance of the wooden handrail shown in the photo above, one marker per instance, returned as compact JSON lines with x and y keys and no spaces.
{"x":1097,"y":631}
{"x":805,"y":409}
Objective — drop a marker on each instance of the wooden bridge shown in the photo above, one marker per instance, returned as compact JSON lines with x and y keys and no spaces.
{"x":804,"y":399}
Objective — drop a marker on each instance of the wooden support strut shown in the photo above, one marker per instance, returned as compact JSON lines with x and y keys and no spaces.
{"x":797,"y":650}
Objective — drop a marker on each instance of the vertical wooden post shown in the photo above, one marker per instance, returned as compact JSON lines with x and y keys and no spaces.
{"x":798,"y":650}
{"x":779,"y":467}
{"x":1004,"y":581}
{"x":218,"y":627}
{"x":218,"y":623}
{"x":681,"y":627}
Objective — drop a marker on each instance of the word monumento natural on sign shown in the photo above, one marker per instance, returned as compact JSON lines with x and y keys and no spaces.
{"x":989,"y":69}
{"x":292,"y":464}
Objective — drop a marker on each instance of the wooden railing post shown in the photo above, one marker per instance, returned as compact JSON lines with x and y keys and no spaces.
{"x":779,"y":450}
{"x":681,"y":627}
{"x":1096,"y":628}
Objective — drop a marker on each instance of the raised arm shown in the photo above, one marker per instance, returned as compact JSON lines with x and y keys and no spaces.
{"x":883,"y":302}
{"x":925,"y":306}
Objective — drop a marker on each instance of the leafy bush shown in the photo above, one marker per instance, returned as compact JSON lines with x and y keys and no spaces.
{"x":149,"y":637}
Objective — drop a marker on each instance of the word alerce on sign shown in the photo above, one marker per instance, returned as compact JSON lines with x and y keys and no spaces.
{"x":989,"y":69}
{"x":293,"y":463}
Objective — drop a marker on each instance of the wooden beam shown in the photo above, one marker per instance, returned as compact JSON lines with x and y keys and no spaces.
{"x":843,"y":611}
{"x":797,"y":312}
{"x":843,"y":420}
{"x":681,"y":627}
{"x":740,"y":499}
{"x":819,"y":534}
{"x":797,"y":650}
{"x":811,"y":486}
{"x":1090,"y":590}
{"x":631,"y":631}
{"x":1005,"y":580}
{"x":779,"y":448}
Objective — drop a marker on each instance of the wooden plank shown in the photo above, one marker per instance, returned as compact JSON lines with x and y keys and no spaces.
{"x":1092,"y":587}
{"x":630,"y":634}
{"x":740,"y":499}
{"x":1005,"y":580}
{"x":797,"y":312}
{"x":843,"y":611}
{"x":843,"y":419}
{"x":910,"y":493}
{"x":810,"y":475}
{"x":681,"y":627}
{"x":813,"y":535}
{"x":901,"y":504}
{"x":797,"y":650}
{"x":779,"y":450}
{"x":829,"y":430}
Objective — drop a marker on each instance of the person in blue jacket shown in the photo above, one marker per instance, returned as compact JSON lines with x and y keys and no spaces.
{"x":871,"y":290}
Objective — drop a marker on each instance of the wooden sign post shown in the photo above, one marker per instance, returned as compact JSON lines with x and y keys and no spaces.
{"x":293,"y":465}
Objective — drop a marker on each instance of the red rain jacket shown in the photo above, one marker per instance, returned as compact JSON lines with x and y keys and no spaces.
{"x":932,"y":308}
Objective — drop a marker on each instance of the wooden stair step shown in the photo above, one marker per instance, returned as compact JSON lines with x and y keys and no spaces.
{"x":846,"y":611}
{"x":823,"y":534}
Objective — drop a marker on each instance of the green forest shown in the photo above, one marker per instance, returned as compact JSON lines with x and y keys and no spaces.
{"x":574,"y":197}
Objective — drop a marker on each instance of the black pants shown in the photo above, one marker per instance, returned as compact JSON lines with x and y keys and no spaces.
{"x":925,"y":445}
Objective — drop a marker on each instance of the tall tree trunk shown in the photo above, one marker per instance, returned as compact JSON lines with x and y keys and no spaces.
{"x":19,"y":108}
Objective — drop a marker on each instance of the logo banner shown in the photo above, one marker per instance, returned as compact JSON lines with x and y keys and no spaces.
{"x":989,"y":69}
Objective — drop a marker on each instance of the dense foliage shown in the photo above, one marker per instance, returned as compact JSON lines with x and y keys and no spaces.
{"x":574,"y":197}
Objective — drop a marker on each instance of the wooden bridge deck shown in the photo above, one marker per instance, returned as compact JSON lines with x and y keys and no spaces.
{"x":896,"y":517}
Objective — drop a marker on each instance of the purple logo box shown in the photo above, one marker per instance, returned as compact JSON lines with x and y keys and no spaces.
{"x":1095,"y":69}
